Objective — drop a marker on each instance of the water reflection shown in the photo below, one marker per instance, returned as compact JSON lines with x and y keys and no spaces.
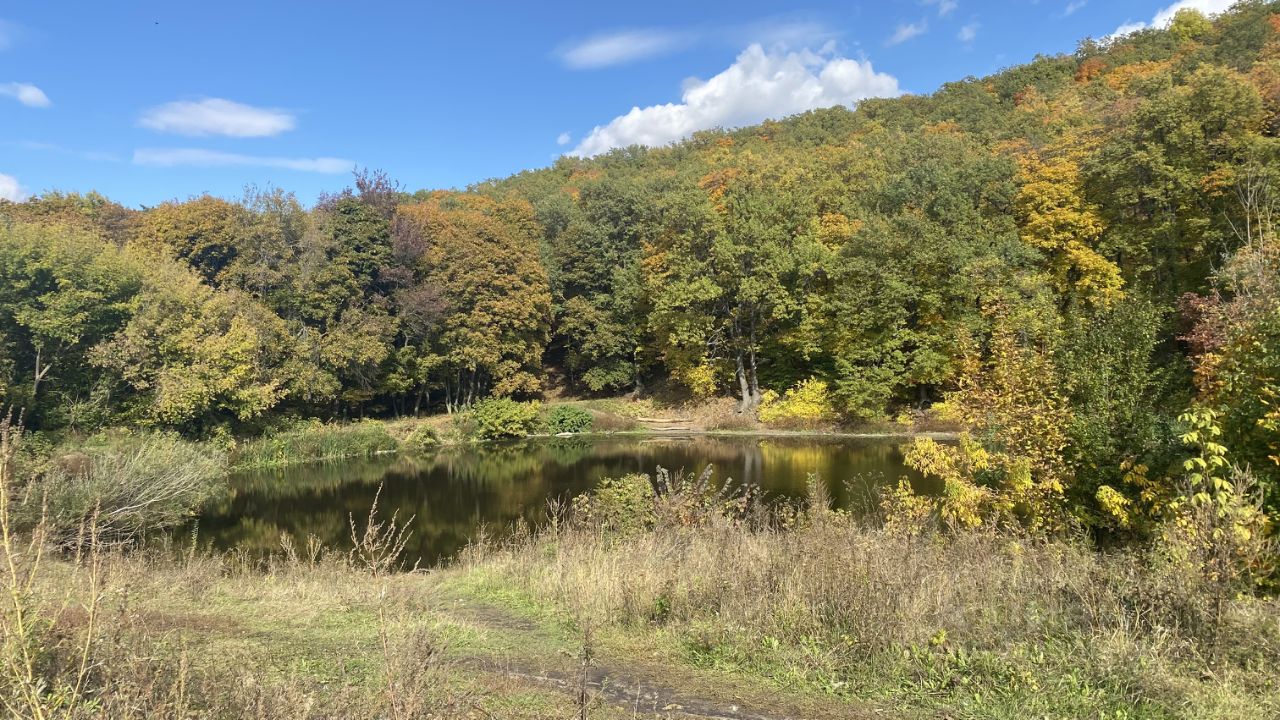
{"x":451,"y":494}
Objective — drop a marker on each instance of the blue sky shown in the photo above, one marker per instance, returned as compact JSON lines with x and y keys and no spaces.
{"x":148,"y":101}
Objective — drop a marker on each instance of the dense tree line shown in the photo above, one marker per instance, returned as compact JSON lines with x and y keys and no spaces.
{"x":1069,"y":252}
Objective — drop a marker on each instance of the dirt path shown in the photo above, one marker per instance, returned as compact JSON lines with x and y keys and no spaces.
{"x":638,"y":688}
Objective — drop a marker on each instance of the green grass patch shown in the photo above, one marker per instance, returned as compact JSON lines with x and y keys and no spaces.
{"x":312,"y":442}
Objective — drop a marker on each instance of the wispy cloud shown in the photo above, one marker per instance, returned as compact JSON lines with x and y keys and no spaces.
{"x":1165,"y":15}
{"x":216,"y":116}
{"x":25,"y":93}
{"x":968,"y":32}
{"x":621,"y":47}
{"x":906,"y":31}
{"x":9,"y":34}
{"x":96,"y":156}
{"x":10,"y":189}
{"x":197,"y":157}
{"x":782,"y":32}
{"x":1073,"y":7}
{"x":945,"y":7}
{"x":759,"y":84}
{"x":563,"y":138}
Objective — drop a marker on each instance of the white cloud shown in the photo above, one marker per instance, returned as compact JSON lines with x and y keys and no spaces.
{"x":9,"y":33}
{"x":10,"y":189}
{"x":1165,"y":16}
{"x":563,"y":138}
{"x":1073,"y":7}
{"x":620,"y":47}
{"x":968,"y":32}
{"x":907,"y":31}
{"x":94,"y":155}
{"x":25,"y":93}
{"x":759,"y":84}
{"x":175,"y":157}
{"x":782,"y":32}
{"x":215,"y":116}
{"x":945,"y":7}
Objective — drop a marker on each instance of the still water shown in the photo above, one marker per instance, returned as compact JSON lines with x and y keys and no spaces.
{"x":453,"y":493}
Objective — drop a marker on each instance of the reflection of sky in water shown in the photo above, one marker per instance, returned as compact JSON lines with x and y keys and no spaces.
{"x":453,"y":493}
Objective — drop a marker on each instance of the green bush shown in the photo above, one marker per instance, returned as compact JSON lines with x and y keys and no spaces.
{"x":316,"y":441}
{"x":132,"y":483}
{"x":569,"y":418}
{"x":624,"y":504}
{"x":504,"y":418}
{"x":423,"y":437}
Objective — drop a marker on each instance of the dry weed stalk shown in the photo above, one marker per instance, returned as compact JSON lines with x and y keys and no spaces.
{"x":379,"y":548}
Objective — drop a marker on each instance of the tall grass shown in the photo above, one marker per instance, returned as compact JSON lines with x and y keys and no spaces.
{"x":309,"y":443}
{"x":125,"y":483}
{"x":75,"y":644}
{"x":992,"y":624}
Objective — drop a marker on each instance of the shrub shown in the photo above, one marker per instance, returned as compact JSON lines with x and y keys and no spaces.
{"x":622,"y":504}
{"x":132,"y":482}
{"x":569,"y":418}
{"x":504,"y":418}
{"x":637,"y":502}
{"x":808,"y":404}
{"x":423,"y":437}
{"x":316,"y":441}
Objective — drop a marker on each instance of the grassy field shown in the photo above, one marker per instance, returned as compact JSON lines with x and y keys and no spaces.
{"x":685,"y":603}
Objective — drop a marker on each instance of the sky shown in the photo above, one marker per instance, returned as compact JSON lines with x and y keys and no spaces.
{"x":147,"y":101}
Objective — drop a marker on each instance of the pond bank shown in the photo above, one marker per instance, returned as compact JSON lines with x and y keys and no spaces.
{"x":316,"y":441}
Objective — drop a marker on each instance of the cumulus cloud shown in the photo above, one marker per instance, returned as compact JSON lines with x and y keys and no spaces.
{"x":10,"y":189}
{"x":25,"y":93}
{"x":905,"y":32}
{"x":1165,"y":16}
{"x":968,"y":32}
{"x":620,"y":47}
{"x":759,"y":84}
{"x":215,"y":116}
{"x":175,"y":157}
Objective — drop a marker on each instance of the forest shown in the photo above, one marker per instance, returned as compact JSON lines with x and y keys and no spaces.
{"x":1065,"y":257}
{"x":1073,"y":262}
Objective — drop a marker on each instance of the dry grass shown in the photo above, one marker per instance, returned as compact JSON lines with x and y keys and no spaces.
{"x":960,"y":625}
{"x":999,"y":626}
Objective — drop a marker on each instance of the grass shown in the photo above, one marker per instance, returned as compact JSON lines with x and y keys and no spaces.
{"x":793,"y":610}
{"x":124,"y":483}
{"x":313,"y":442}
{"x":976,"y":624}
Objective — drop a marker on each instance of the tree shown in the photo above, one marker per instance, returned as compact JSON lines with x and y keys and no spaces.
{"x":203,"y":232}
{"x":730,"y":270}
{"x":482,"y":257}
{"x":195,"y":357}
{"x":62,"y":291}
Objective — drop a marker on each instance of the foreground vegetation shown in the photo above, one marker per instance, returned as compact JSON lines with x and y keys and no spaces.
{"x":648,"y":584}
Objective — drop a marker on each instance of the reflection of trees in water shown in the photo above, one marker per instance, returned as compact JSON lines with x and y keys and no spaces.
{"x":452,"y":492}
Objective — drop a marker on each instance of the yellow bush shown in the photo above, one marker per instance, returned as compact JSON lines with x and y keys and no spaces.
{"x":701,"y":380}
{"x":807,"y":404}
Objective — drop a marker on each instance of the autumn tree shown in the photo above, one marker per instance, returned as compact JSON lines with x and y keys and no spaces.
{"x":482,"y":257}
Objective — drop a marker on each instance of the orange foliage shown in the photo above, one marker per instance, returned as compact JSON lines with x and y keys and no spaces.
{"x":1090,"y":69}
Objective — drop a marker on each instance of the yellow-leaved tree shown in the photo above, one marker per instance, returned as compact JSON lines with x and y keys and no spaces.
{"x":1008,"y":467}
{"x":1055,"y":218}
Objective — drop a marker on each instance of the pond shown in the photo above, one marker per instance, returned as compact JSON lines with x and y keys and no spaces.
{"x":453,"y":493}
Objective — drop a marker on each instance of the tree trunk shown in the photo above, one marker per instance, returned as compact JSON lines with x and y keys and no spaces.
{"x":744,"y":385}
